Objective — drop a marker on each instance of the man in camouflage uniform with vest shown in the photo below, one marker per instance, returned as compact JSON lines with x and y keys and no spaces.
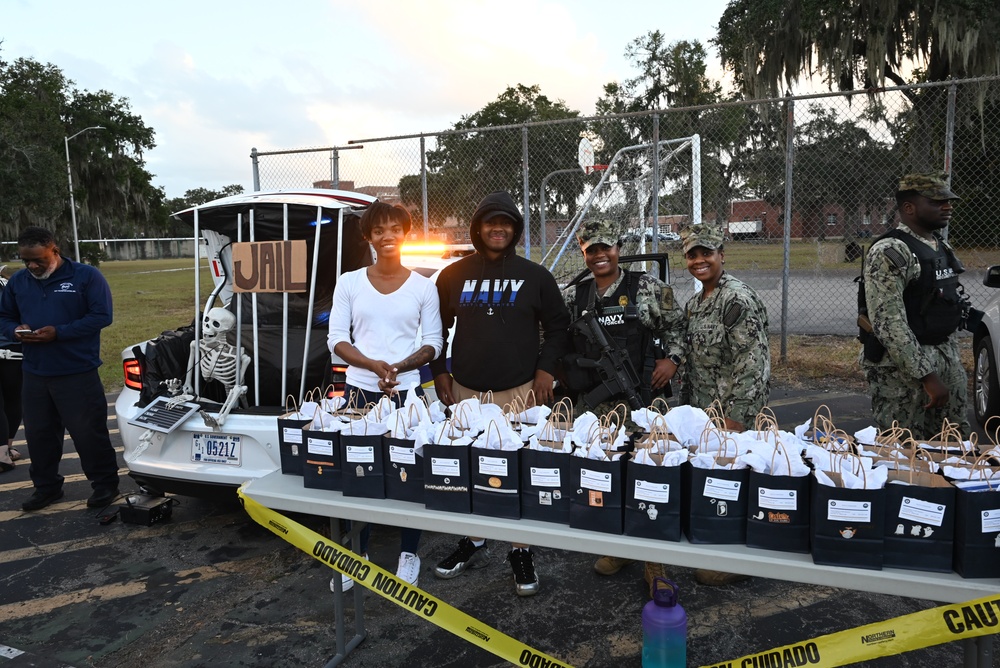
{"x":728,"y":356}
{"x":915,"y":308}
{"x":635,"y":308}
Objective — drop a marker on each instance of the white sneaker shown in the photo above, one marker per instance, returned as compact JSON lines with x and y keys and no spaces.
{"x":345,"y":582}
{"x":409,"y":568}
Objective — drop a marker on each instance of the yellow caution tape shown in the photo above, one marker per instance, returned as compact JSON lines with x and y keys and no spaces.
{"x":398,"y":591}
{"x":926,"y":628}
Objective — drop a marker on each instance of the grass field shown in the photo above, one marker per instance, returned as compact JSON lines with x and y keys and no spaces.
{"x":151,"y":296}
{"x":827,"y":256}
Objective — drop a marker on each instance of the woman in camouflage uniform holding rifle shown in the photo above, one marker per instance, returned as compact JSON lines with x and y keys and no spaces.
{"x":728,"y":357}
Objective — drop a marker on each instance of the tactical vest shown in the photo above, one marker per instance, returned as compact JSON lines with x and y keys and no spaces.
{"x":619,"y":315}
{"x":933,"y":303}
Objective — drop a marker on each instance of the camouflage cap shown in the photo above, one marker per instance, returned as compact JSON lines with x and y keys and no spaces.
{"x":707,"y":236}
{"x":597,"y":231}
{"x":932,"y":186}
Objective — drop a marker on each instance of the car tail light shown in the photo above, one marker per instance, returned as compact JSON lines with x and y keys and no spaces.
{"x":133,"y":374}
{"x":339,"y":375}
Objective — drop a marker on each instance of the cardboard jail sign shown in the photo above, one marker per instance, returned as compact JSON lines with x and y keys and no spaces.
{"x":270,"y":266}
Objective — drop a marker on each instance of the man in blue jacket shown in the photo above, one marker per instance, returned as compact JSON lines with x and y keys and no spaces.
{"x":57,"y":308}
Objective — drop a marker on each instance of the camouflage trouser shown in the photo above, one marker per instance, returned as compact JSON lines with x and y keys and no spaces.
{"x":900,"y":399}
{"x":606,"y":407}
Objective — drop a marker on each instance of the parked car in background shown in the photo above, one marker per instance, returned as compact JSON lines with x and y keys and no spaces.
{"x":635,"y":234}
{"x":986,"y":352}
{"x":283,"y":334}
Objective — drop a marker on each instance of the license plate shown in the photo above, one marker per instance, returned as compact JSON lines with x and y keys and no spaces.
{"x":216,"y":449}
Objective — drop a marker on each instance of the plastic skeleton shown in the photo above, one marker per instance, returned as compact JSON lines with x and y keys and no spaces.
{"x":216,"y":360}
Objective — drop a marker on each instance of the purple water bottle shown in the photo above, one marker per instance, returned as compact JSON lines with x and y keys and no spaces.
{"x":664,"y":628}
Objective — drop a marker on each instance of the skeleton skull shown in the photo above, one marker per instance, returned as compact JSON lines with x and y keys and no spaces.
{"x":216,"y":324}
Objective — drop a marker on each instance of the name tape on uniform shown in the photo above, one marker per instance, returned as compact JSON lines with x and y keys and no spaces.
{"x":926,"y":628}
{"x":400,"y":592}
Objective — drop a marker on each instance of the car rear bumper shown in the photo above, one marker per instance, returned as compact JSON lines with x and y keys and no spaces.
{"x":169,"y":457}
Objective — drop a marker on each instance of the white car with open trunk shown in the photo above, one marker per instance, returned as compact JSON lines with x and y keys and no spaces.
{"x":195,"y":443}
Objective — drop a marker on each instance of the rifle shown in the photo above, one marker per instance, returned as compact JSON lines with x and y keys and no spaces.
{"x":618,"y":375}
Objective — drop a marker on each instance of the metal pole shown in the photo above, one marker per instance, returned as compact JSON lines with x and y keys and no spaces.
{"x":655,"y":183}
{"x":69,"y":176}
{"x":527,"y":194}
{"x":949,"y":140}
{"x":696,"y":178}
{"x":786,"y":263}
{"x":423,"y":185}
{"x":336,"y":174}
{"x":256,"y":169}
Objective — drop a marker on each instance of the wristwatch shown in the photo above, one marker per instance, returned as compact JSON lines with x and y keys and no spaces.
{"x":675,"y":359}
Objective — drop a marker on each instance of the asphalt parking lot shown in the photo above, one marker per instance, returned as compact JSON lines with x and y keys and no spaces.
{"x":210,"y":587}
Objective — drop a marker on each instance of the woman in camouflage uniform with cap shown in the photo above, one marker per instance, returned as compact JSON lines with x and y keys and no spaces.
{"x":728,"y":357}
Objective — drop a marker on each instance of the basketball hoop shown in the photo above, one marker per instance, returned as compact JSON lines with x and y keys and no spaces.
{"x":585,"y":156}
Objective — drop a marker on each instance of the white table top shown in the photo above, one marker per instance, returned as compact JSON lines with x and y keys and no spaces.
{"x":286,"y":493}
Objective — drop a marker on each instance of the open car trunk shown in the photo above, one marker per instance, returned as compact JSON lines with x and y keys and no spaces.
{"x":273,"y":328}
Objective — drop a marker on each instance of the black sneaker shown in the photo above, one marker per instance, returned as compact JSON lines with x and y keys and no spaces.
{"x":102,"y":497}
{"x":40,"y":499}
{"x":466,"y":556}
{"x":525,"y":579}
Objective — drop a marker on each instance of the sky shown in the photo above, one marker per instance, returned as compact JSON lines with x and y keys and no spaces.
{"x":216,"y":78}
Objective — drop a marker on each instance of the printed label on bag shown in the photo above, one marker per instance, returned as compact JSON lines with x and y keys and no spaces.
{"x":652,"y":491}
{"x":545,"y":477}
{"x":722,"y":489}
{"x":493,"y":466}
{"x":923,"y":512}
{"x":991,"y":520}
{"x":849,"y":511}
{"x":446,"y":467}
{"x":595,"y":480}
{"x":360,"y":453}
{"x":778,"y":499}
{"x":401,"y":455}
{"x":292,"y":434}
{"x":319,"y":446}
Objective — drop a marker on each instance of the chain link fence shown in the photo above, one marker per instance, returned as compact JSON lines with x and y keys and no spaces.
{"x":800,"y":185}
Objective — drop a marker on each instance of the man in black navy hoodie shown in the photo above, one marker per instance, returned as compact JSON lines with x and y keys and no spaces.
{"x":510,"y":331}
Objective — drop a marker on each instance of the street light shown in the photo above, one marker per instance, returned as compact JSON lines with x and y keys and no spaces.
{"x":69,"y":175}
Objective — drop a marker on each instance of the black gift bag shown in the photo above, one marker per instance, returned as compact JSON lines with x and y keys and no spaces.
{"x":363,"y":465}
{"x":545,"y":473}
{"x":495,"y":482}
{"x":447,"y":478}
{"x":715,"y":503}
{"x":545,"y":483}
{"x":848,"y":525}
{"x":598,"y":499}
{"x":321,"y":462}
{"x":977,"y":529}
{"x":404,"y":470}
{"x":290,"y":446}
{"x":778,"y":512}
{"x":653,"y":500}
{"x":919,"y":522}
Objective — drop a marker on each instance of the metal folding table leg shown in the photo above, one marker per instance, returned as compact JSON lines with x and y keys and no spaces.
{"x":978,"y":652}
{"x":345,"y":648}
